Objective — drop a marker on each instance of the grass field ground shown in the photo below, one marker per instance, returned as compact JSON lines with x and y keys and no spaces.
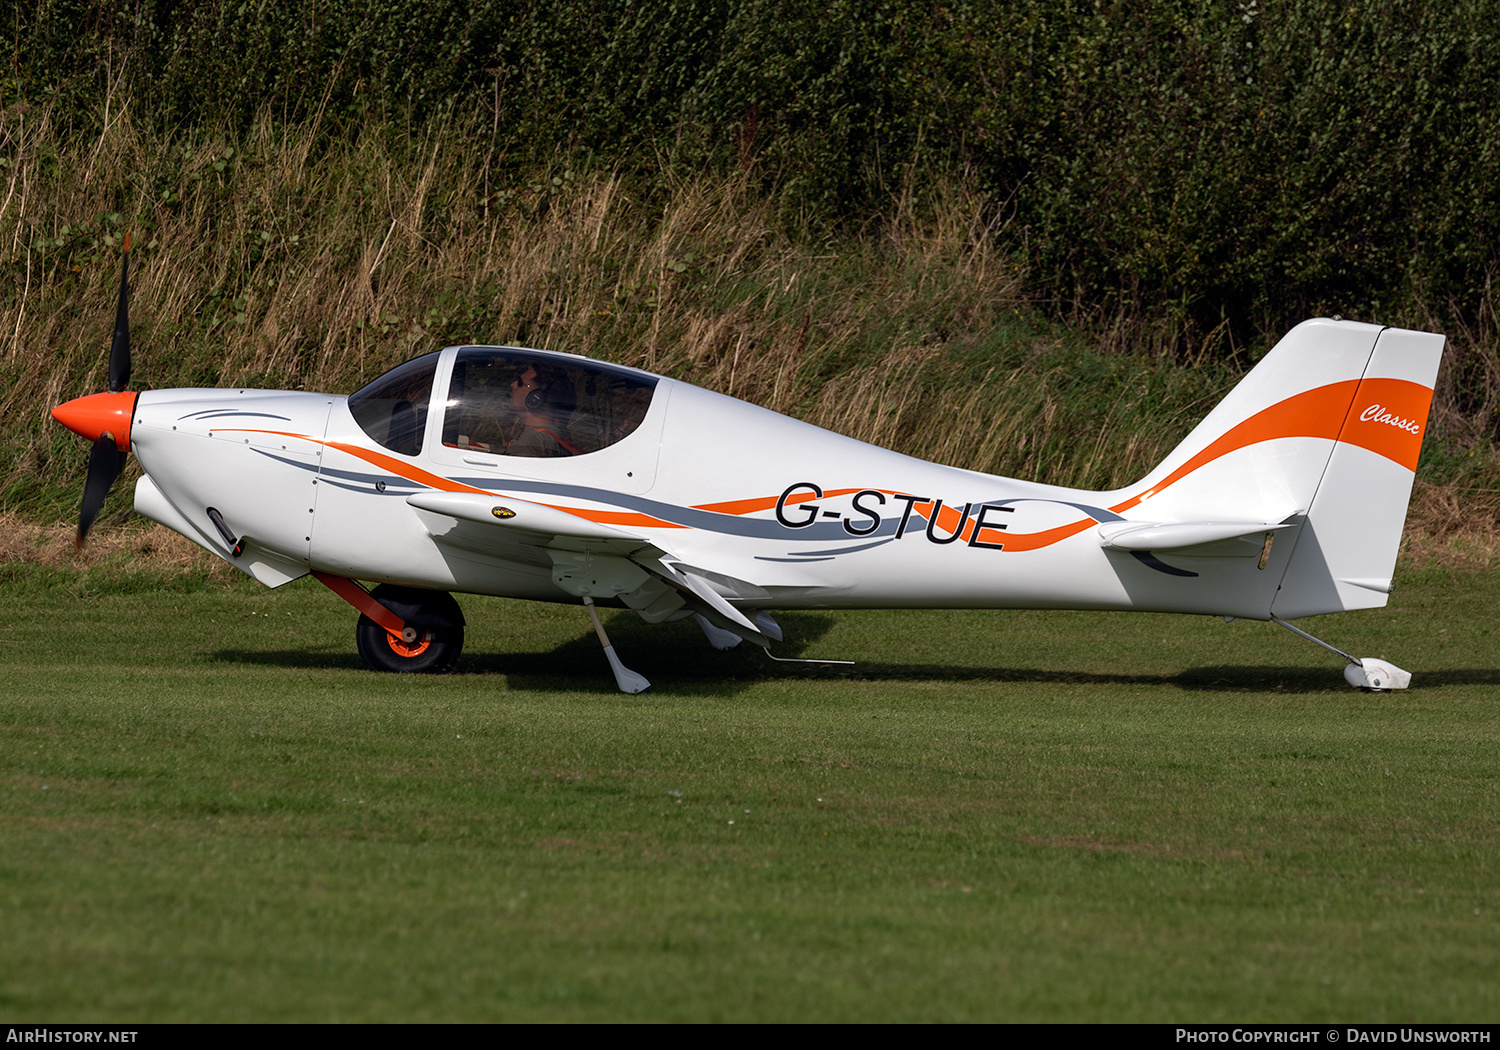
{"x":211,"y":812}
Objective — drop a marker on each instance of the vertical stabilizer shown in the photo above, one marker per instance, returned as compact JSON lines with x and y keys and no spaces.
{"x":1319,"y":445}
{"x":1261,"y":453}
{"x":1346,"y":549}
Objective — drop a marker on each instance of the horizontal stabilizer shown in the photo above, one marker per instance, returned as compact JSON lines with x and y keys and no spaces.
{"x":1146,"y":536}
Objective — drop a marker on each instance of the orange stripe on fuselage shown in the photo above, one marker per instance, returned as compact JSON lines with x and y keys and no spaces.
{"x":1332,"y":412}
{"x":750,"y":506}
{"x":406,"y":470}
{"x":250,"y":430}
{"x":610,"y":517}
{"x":1319,"y":413}
{"x":1030,"y":541}
{"x":395,"y":466}
{"x":422,"y":477}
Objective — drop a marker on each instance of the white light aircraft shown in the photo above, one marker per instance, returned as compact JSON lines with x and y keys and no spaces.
{"x":530,"y":474}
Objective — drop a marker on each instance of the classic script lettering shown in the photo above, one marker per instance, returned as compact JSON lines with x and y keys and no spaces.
{"x":1378,"y":414}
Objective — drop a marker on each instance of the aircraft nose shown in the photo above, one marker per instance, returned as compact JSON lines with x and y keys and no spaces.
{"x":94,"y":415}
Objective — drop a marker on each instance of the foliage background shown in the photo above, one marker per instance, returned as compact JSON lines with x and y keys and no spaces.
{"x":1122,"y":188}
{"x":1255,"y":161}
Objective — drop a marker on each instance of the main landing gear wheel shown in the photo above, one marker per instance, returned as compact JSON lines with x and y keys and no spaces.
{"x":436,"y":629}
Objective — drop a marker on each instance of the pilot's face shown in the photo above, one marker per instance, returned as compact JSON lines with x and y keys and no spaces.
{"x":520,"y":387}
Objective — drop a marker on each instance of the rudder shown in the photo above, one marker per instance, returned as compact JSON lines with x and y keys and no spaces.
{"x":1345,"y":551}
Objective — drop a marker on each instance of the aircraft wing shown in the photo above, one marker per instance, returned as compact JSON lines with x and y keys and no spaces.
{"x":528,"y":523}
{"x":593,"y":559}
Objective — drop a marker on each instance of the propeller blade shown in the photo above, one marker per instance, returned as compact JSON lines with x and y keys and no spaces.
{"x":119,"y":349}
{"x":105,"y":464}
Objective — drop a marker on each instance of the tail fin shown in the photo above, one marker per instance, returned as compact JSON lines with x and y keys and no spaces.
{"x":1346,"y":550}
{"x":1323,"y":433}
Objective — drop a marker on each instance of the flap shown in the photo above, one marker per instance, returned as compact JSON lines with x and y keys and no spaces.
{"x":538,"y":525}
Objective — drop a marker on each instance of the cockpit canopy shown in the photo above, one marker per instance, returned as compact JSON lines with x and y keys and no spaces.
{"x":507,"y":401}
{"x":393,"y":408}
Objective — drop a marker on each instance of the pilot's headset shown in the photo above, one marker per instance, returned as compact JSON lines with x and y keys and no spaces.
{"x":553,"y":390}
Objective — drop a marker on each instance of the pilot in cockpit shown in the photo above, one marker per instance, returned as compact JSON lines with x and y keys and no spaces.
{"x":545,"y":400}
{"x":505,"y":402}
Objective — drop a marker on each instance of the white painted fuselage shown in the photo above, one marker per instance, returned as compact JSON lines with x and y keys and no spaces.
{"x":1289,"y":499}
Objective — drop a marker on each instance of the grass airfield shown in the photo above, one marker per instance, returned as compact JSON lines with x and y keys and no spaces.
{"x":210,"y":812}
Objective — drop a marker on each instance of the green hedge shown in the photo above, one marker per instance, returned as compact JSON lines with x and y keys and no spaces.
{"x":1190,"y":162}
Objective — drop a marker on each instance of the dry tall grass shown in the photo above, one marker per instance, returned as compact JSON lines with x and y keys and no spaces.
{"x":146,"y":546}
{"x":293,"y":259}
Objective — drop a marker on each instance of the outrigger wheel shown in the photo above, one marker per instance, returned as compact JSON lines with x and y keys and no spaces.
{"x":434,"y":621}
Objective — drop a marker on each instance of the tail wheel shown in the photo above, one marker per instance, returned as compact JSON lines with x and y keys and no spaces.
{"x":432,"y":651}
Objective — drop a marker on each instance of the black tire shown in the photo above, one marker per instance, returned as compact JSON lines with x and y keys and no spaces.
{"x":434,"y":650}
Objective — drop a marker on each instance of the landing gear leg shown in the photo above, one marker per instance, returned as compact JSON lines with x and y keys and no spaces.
{"x":405,"y":629}
{"x":625,"y":678}
{"x":1369,"y":674}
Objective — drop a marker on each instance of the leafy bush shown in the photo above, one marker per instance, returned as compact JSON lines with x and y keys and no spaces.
{"x":1202,"y":168}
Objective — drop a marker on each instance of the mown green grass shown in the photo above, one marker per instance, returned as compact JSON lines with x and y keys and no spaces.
{"x":209,"y":811}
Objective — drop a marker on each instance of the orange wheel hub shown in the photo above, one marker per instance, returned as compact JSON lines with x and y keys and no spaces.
{"x":416,"y":648}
